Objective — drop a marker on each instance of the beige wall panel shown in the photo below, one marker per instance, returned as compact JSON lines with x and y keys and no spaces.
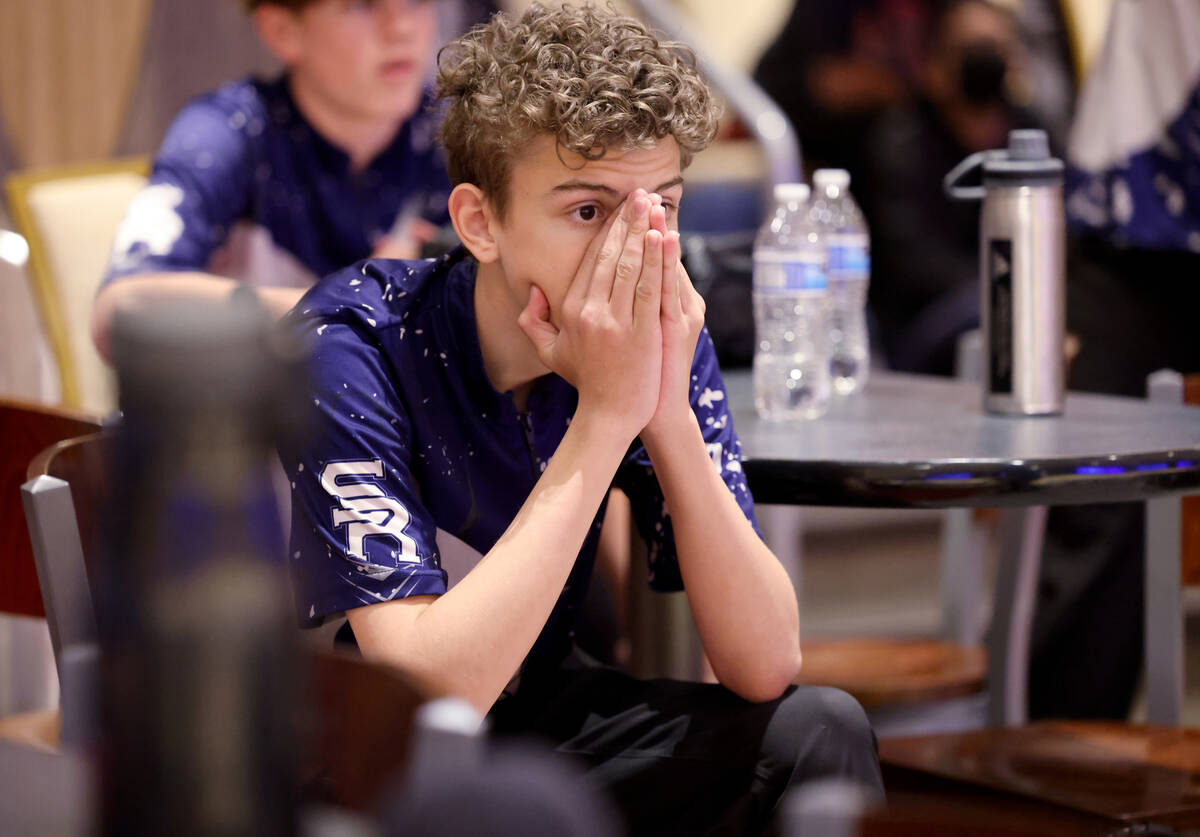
{"x":66,"y":71}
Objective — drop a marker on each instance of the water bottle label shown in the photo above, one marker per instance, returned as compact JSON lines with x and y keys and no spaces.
{"x":849,"y":254}
{"x":789,"y":276}
{"x":1000,"y":316}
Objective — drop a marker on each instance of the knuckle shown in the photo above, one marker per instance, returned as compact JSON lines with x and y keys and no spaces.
{"x":645,"y":291}
{"x":626,"y":269}
{"x":606,"y":254}
{"x":591,"y":318}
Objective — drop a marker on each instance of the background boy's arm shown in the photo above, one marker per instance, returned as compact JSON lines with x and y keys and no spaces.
{"x":132,"y":292}
{"x":742,"y":599}
{"x":472,"y":639}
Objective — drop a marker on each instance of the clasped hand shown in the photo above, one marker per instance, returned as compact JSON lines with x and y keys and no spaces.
{"x":628,"y":325}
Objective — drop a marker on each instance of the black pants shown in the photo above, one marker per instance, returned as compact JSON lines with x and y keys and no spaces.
{"x":690,"y":758}
{"x":1134,"y":312}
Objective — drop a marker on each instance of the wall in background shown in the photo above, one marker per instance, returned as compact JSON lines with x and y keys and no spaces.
{"x":67,"y":68}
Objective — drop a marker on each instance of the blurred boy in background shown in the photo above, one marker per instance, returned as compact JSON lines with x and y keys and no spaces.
{"x":279,"y":182}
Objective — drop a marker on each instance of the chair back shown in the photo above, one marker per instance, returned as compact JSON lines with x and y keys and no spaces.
{"x":357,"y":729}
{"x":62,"y":499}
{"x":26,"y":429}
{"x":1191,"y":505}
{"x":1169,"y":386}
{"x":70,"y":217}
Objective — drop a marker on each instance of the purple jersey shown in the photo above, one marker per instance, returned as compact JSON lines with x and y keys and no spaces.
{"x":412,"y":437}
{"x":243,"y":186}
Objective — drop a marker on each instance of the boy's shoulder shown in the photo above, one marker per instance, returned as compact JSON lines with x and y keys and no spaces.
{"x":375,"y":296}
{"x":239,"y":114}
{"x":248,"y":104}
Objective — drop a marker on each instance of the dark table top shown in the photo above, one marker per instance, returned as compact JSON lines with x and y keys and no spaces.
{"x":920,"y":441}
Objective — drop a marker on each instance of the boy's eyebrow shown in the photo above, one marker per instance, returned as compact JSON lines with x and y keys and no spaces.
{"x":586,"y":186}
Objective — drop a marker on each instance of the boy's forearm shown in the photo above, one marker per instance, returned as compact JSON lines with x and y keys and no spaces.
{"x":471,"y":640}
{"x":742,"y":599}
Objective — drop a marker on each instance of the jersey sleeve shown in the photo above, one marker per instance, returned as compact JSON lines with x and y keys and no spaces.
{"x":637,"y":479}
{"x":360,"y":533}
{"x":198,"y":187}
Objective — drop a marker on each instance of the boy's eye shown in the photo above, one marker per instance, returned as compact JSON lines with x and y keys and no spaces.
{"x":588,"y":212}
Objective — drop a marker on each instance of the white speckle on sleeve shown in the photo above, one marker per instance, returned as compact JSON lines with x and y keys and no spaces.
{"x":710,"y":397}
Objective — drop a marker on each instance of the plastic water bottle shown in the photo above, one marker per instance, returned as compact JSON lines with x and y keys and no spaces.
{"x":791,"y":357}
{"x":848,"y":268}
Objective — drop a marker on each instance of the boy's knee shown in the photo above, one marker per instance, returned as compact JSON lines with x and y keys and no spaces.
{"x":831,"y":709}
{"x":822,"y":731}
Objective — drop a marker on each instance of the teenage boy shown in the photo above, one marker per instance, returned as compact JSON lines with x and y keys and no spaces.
{"x":281,"y":182}
{"x":499,"y":392}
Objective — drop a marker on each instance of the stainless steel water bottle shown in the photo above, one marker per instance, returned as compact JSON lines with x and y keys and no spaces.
{"x":1022,"y":267}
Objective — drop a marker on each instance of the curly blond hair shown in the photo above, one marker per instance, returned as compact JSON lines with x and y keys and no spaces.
{"x":592,"y":78}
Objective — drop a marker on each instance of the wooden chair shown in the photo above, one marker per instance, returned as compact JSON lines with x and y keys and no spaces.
{"x":70,"y":215}
{"x":27,"y":429}
{"x":357,"y":728}
{"x":357,"y":719}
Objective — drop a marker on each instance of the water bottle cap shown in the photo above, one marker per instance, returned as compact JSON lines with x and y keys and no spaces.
{"x":1028,"y":145}
{"x":831,"y":177}
{"x":1027,"y":160}
{"x":786,"y":192}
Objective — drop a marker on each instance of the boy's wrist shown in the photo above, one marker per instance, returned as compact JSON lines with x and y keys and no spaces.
{"x":669,"y":429}
{"x":604,"y":426}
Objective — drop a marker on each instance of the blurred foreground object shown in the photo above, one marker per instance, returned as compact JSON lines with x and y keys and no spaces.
{"x":198,"y":665}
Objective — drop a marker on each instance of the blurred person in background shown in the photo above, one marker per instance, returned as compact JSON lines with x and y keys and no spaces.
{"x":838,"y":64}
{"x":1133,"y":209}
{"x":925,"y":247}
{"x":279,"y":182}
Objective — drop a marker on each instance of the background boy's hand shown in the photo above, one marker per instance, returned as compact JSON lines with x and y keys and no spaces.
{"x":607,"y":339}
{"x":682,"y":318}
{"x":405,"y":243}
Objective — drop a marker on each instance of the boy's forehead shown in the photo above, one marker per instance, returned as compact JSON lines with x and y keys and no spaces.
{"x":549,"y":168}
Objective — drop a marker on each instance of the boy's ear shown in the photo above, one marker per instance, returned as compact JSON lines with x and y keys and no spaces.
{"x":472,"y":217}
{"x":279,"y":30}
